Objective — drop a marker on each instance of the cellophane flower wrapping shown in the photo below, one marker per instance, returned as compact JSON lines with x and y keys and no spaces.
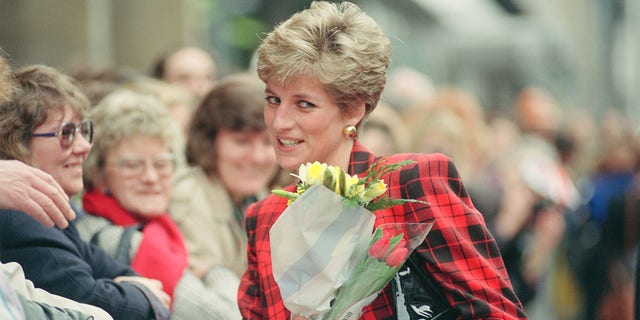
{"x":326,"y":258}
{"x":312,"y":243}
{"x":387,"y":251}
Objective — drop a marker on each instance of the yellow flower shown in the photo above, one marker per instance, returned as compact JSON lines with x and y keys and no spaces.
{"x":352,"y":186}
{"x":374,"y":190}
{"x":355,"y":190}
{"x":312,"y":173}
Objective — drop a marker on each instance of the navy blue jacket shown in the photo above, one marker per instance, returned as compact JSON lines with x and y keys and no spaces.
{"x":59,"y":262}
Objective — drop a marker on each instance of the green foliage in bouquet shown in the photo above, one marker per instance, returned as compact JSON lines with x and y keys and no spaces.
{"x":367,"y":192}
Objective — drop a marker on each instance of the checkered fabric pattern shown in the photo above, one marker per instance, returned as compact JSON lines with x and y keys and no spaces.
{"x":459,"y":251}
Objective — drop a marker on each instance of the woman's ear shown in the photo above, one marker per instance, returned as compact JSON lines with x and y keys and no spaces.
{"x":357,"y":114}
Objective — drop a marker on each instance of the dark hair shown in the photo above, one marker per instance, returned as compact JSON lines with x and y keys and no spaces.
{"x":235,"y":103}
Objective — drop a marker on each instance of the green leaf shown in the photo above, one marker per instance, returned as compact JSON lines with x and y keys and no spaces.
{"x":285,"y":194}
{"x":343,"y":182}
{"x":328,"y":180}
{"x":394,"y":242}
{"x":377,"y":234}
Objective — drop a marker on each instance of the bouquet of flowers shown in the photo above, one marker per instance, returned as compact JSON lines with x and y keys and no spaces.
{"x":336,"y":264}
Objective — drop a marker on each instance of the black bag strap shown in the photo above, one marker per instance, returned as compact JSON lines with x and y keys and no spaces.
{"x":417,"y":295}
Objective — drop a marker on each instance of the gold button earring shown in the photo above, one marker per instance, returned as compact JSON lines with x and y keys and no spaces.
{"x":350,"y":131}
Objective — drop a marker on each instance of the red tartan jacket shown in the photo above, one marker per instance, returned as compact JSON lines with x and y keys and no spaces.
{"x":459,"y":251}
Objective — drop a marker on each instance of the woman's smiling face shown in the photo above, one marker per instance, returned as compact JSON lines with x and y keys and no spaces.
{"x":245,"y":162}
{"x":138,"y":173}
{"x":305,"y":124}
{"x":63,"y":164}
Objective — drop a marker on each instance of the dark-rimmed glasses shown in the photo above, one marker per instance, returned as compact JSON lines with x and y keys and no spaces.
{"x":67,"y":132}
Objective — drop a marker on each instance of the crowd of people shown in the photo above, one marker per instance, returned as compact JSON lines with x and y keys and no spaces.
{"x":147,"y":196}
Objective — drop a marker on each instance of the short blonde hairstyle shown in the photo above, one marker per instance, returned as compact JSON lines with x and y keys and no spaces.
{"x":337,"y":45}
{"x":122,"y":115}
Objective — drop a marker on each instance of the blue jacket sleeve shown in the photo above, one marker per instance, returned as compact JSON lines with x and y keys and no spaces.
{"x":58,"y":261}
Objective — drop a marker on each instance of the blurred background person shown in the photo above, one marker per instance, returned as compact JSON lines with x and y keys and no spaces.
{"x":407,"y":87}
{"x":128,"y":177}
{"x":385,"y":132}
{"x":97,"y":83}
{"x":529,"y":196}
{"x":452,"y":122}
{"x":232,"y":165}
{"x":608,"y":230}
{"x":180,"y":102}
{"x":191,"y":67}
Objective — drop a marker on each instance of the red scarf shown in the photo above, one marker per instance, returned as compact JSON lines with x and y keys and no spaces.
{"x":162,"y":254}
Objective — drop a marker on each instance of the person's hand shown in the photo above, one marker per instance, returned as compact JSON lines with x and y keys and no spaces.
{"x":153,"y":285}
{"x":200,"y":272}
{"x":33,"y":191}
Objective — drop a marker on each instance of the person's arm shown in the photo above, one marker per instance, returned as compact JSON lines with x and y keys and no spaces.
{"x":61,"y":263}
{"x":43,"y":311}
{"x":459,"y":251}
{"x":28,"y":189}
{"x":25,"y":288}
{"x":250,"y":299}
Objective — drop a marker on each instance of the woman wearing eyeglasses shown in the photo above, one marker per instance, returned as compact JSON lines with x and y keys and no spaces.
{"x":44,"y":125}
{"x":128,"y":176}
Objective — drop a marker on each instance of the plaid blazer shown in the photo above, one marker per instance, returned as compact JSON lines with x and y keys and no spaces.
{"x":459,"y":252}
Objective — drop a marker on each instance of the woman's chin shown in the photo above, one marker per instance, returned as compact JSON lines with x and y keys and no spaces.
{"x":289,"y":163}
{"x":149,"y":212}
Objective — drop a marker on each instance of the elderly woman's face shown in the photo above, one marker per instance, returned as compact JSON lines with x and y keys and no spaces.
{"x":64,"y":164}
{"x":306,"y":125}
{"x":245,"y":161}
{"x":138,"y":173}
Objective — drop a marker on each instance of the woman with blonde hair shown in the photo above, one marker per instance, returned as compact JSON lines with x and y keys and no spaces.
{"x":128,"y":177}
{"x":324,"y":70}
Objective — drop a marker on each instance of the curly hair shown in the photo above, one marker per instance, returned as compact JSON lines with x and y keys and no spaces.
{"x":41,"y":92}
{"x":124,"y":114}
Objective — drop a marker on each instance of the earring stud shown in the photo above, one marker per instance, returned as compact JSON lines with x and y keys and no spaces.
{"x":350,"y":131}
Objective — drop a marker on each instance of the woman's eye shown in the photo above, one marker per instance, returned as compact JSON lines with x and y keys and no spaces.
{"x":131,"y":163}
{"x":273,"y":100}
{"x":305,"y":104}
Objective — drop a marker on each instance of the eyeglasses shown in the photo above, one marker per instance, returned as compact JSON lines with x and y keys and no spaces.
{"x":163,"y":165}
{"x":67,"y":132}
